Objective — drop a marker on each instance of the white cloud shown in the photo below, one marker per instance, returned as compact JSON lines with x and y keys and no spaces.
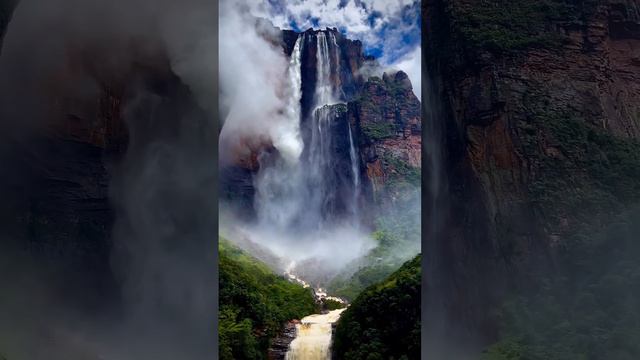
{"x":354,"y":17}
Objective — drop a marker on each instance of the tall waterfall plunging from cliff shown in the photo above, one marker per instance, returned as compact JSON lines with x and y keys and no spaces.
{"x":307,"y":206}
{"x":313,"y":337}
{"x":355,"y":171}
{"x":304,"y":194}
{"x":278,"y":184}
{"x":436,"y":332}
{"x":325,"y":91}
{"x":323,"y":156}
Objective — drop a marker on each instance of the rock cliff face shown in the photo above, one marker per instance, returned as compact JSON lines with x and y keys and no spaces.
{"x":388,"y":119}
{"x":533,"y":95}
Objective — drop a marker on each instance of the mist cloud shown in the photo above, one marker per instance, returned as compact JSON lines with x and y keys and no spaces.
{"x":255,"y":84}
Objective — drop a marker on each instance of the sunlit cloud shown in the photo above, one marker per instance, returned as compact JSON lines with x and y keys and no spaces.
{"x":389,"y":30}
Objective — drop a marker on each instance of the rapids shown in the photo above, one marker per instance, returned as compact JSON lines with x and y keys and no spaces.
{"x":313,"y":337}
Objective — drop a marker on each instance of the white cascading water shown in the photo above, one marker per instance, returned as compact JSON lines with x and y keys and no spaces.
{"x":320,"y":158}
{"x":294,"y":195}
{"x":355,"y":172}
{"x":353,"y":155}
{"x":337,"y":62}
{"x":287,"y":189}
{"x":320,"y":149}
{"x":325,"y":93}
{"x":313,"y":337}
{"x":277,"y":199}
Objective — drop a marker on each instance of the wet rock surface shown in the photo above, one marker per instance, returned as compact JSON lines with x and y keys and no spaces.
{"x":280,"y":344}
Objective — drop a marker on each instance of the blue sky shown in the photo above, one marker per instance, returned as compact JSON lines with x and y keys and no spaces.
{"x":390,"y":30}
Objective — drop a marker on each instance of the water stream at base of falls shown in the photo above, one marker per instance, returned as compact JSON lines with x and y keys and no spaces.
{"x":313,"y":337}
{"x":314,"y":332}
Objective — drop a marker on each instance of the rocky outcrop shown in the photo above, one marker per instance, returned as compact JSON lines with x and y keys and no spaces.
{"x":280,"y":344}
{"x":515,"y":101}
{"x":387,"y":117}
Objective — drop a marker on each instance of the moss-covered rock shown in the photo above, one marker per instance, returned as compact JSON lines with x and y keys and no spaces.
{"x":514,"y":25}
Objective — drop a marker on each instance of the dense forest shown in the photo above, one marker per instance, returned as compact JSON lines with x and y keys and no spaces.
{"x":383,"y":322}
{"x":254,"y":304}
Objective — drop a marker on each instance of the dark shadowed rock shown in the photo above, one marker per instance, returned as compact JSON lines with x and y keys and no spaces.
{"x":280,"y":344}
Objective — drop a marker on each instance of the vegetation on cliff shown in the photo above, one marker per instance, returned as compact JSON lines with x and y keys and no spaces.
{"x":601,"y":171}
{"x":374,"y":270}
{"x":590,"y":309}
{"x":397,"y":232}
{"x":401,"y":176}
{"x":383,"y":106}
{"x":397,"y":239}
{"x":513,"y":25}
{"x":384,"y":320}
{"x":587,"y":182}
{"x":330,"y":304}
{"x":254,"y":304}
{"x":378,"y":131}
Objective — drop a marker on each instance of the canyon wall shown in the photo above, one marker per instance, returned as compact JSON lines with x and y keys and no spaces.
{"x":540,"y":109}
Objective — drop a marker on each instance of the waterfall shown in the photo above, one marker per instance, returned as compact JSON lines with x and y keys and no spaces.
{"x":294,"y":73}
{"x":324,"y":88}
{"x":355,"y":172}
{"x":438,"y":331}
{"x":336,"y":52}
{"x":298,"y":195}
{"x":313,"y":337}
{"x":322,"y":159}
{"x":277,"y":185}
{"x":305,"y":207}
